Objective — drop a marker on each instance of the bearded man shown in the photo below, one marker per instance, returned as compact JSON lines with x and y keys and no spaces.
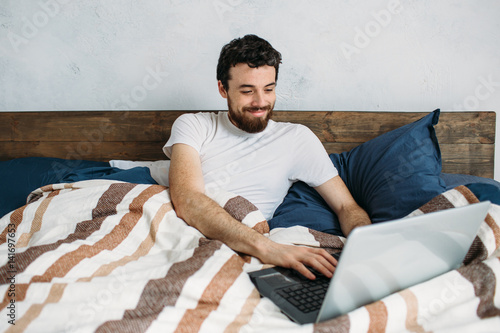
{"x":245,"y":152}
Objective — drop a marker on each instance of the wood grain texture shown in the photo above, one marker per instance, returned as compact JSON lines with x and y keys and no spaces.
{"x":466,"y":139}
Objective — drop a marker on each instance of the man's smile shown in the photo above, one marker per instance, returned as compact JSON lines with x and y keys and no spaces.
{"x":258,"y":112}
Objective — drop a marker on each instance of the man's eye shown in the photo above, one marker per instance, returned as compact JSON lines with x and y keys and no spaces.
{"x":246,"y":92}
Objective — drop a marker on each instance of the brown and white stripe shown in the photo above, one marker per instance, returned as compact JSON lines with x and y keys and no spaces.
{"x":131,"y":265}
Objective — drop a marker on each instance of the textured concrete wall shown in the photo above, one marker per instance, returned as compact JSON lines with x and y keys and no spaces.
{"x":338,"y":54}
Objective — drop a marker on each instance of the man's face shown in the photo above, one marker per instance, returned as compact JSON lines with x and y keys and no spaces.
{"x":250,"y":96}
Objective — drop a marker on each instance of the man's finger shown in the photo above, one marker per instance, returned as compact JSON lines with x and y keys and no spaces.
{"x":324,"y":268}
{"x":305,"y":272}
{"x":331,"y":259}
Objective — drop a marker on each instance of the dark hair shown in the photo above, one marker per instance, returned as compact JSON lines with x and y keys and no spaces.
{"x":251,"y":50}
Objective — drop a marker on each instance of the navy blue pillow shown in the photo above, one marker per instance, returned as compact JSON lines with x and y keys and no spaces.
{"x":482,"y":187}
{"x":453,"y":180}
{"x":137,"y":175}
{"x":484,"y":192}
{"x":395,"y":173}
{"x":22,"y":175}
{"x":389,"y":176}
{"x":304,"y":206}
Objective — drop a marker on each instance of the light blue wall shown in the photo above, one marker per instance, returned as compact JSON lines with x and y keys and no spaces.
{"x":338,"y":54}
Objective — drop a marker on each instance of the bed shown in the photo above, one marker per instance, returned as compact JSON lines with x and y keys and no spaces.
{"x":90,"y":242}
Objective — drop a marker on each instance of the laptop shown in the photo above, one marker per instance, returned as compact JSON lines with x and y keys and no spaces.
{"x":377,"y":260}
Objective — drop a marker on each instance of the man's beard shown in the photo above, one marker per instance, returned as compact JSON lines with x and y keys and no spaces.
{"x":248,"y":123}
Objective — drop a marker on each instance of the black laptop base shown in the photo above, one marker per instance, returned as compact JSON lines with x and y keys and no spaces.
{"x":297,"y":297}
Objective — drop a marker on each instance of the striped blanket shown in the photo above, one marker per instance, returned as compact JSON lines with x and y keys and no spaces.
{"x":107,"y":256}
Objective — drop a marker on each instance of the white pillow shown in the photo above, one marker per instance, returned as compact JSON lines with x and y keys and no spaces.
{"x":158,"y":169}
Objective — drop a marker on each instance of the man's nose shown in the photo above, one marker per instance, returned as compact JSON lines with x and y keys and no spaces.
{"x":258,"y":99}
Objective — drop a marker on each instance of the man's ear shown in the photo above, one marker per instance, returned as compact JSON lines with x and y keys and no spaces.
{"x":222,"y":90}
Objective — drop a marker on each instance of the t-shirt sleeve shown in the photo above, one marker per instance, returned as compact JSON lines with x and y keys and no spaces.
{"x":187,"y":129}
{"x":312,"y":163}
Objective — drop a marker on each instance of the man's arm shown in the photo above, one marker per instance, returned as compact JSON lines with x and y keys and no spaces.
{"x":340,"y":200}
{"x":187,"y":191}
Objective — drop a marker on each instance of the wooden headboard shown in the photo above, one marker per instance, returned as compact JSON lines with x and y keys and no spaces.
{"x":467,"y":139}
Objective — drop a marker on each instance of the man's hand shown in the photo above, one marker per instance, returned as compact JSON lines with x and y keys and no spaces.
{"x":199,"y":211}
{"x":298,"y":257}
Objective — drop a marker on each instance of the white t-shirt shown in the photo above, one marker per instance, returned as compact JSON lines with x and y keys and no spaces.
{"x":260,"y":167}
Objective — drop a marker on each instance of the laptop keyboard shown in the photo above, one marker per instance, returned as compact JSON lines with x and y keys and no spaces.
{"x":307,"y":296}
